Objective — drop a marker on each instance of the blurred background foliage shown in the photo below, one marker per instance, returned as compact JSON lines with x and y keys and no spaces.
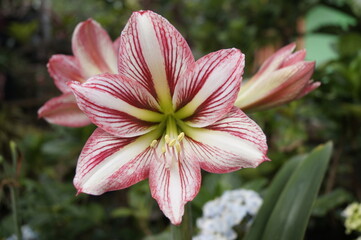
{"x":40,"y":175}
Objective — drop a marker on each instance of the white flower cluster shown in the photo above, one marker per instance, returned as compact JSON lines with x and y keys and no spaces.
{"x":223,"y":213}
{"x":352,"y":215}
{"x":27,"y":234}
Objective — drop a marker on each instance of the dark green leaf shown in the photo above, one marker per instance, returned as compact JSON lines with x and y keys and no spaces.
{"x":329,"y":201}
{"x":271,"y":198}
{"x":291,"y":213}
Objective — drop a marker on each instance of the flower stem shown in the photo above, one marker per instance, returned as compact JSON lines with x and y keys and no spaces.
{"x":184,"y":231}
{"x":13,"y":192}
{"x":14,"y":206}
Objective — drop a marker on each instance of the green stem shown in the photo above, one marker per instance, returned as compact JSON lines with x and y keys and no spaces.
{"x":14,"y":206}
{"x":13,"y":192}
{"x":183,"y":231}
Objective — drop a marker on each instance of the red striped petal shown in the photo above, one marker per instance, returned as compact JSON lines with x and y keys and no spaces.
{"x":109,"y":163}
{"x":153,"y":53}
{"x":117,"y":105}
{"x":93,"y":49}
{"x":63,"y":69}
{"x":173,"y":186}
{"x":291,"y":82}
{"x":308,"y":88}
{"x":294,"y":58}
{"x":275,"y":61}
{"x":232,"y":143}
{"x":209,"y":93}
{"x":63,"y":111}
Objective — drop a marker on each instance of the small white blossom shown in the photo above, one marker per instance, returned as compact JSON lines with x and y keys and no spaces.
{"x":27,"y":233}
{"x":222,"y":214}
{"x":352,"y":215}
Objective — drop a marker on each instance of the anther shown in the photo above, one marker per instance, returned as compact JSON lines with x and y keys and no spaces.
{"x":180,"y":136}
{"x":172,"y":143}
{"x":153,"y":143}
{"x":166,"y":138}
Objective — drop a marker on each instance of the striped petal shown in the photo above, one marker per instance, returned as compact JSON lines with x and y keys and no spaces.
{"x":64,"y":111}
{"x":298,"y":77}
{"x":174,"y":185}
{"x":109,"y":163}
{"x":93,"y":49}
{"x":277,"y":59}
{"x":279,"y":87}
{"x":280,"y":59}
{"x":308,"y":88}
{"x":232,"y":143}
{"x":63,"y":69}
{"x":210,"y":91}
{"x":117,"y":105}
{"x":153,"y":53}
{"x":294,"y":58}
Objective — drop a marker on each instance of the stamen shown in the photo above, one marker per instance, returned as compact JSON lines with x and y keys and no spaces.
{"x":172,"y":143}
{"x":180,"y":137}
{"x":153,"y":143}
{"x":166,"y":138}
{"x":171,"y":148}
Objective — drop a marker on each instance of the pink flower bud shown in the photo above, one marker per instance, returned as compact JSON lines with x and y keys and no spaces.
{"x":282,"y":78}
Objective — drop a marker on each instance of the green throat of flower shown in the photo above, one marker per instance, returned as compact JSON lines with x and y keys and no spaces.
{"x":169,"y":144}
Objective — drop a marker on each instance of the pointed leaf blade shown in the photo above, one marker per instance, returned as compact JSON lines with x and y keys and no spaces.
{"x":274,"y":191}
{"x":290,"y":215}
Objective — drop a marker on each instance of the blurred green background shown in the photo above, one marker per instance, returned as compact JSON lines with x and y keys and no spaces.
{"x":41,"y":173}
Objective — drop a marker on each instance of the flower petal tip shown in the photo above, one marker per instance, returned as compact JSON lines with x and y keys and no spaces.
{"x":175,"y":219}
{"x":290,"y":47}
{"x":176,"y":222}
{"x":262,"y":160}
{"x":78,"y":192}
{"x":309,"y":88}
{"x":141,"y":12}
{"x":315,"y":85}
{"x":310,"y":64}
{"x":40,"y":112}
{"x":301,"y":52}
{"x":89,"y":21}
{"x":52,"y":59}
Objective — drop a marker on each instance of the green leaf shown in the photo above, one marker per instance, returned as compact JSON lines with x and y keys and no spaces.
{"x":349,"y":44}
{"x":121,"y":212}
{"x":22,"y":31}
{"x":320,"y":16}
{"x":329,"y":201}
{"x":258,"y":226}
{"x":291,"y":213}
{"x":287,"y":206}
{"x":165,"y":235}
{"x":256,"y":185}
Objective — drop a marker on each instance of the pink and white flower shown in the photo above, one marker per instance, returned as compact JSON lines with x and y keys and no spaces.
{"x":282,"y":78}
{"x":94,"y":53}
{"x":164,"y":117}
